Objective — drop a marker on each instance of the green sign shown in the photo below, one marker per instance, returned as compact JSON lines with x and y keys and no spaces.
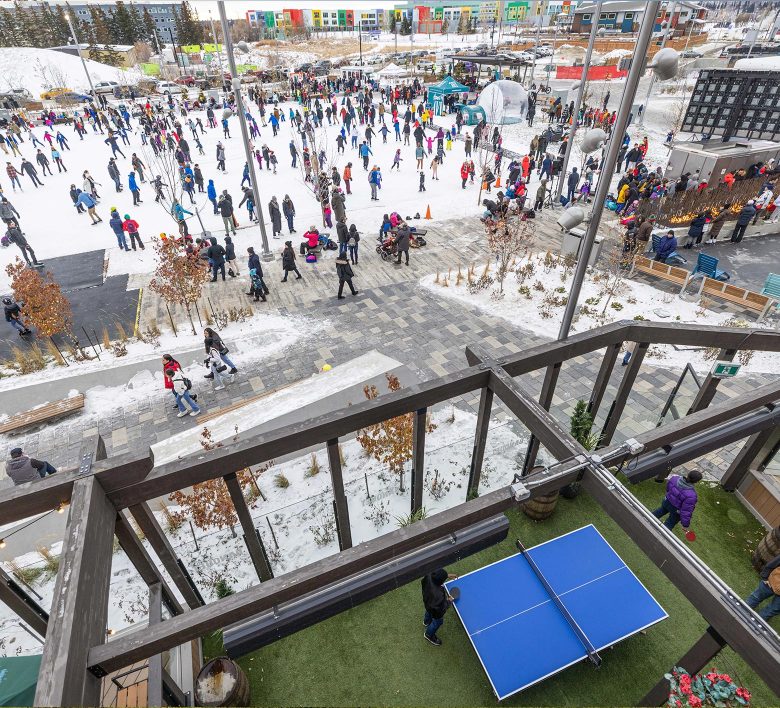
{"x":724,"y":369}
{"x":150,"y":69}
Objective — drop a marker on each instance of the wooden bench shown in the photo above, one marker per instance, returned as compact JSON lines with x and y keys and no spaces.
{"x":747,"y":299}
{"x":674,"y":274}
{"x":43,"y":414}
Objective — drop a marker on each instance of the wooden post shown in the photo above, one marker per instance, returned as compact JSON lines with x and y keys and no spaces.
{"x":155,"y":690}
{"x":694,"y":661}
{"x":418,"y":458}
{"x":339,"y":498}
{"x":251,"y":538}
{"x":602,"y":378}
{"x":756,"y":447}
{"x":710,"y":386}
{"x":80,"y":602}
{"x":142,"y":562}
{"x":18,"y":601}
{"x":624,"y":390}
{"x":545,"y":400}
{"x":480,"y":440}
{"x":162,"y":547}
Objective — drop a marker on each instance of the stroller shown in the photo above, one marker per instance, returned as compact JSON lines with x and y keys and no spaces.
{"x":386,"y":249}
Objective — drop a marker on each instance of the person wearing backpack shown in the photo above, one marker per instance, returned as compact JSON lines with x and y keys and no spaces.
{"x":168,"y":362}
{"x":181,"y":389}
{"x":211,"y":340}
{"x":345,"y":274}
{"x":768,"y":587}
{"x":352,"y":244}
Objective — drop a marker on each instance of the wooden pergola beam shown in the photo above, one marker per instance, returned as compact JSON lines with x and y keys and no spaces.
{"x":80,"y":603}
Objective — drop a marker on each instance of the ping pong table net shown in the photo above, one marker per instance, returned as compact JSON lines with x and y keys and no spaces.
{"x":589,"y":648}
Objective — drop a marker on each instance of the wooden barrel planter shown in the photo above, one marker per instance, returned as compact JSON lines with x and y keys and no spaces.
{"x":222,"y":682}
{"x":767,"y":549}
{"x":541,"y":507}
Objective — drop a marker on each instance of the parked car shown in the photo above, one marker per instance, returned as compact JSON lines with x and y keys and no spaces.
{"x":185,"y":80}
{"x":106,"y":86}
{"x":51,"y":94}
{"x":168,"y":87}
{"x":70,"y":98}
{"x":305,"y":67}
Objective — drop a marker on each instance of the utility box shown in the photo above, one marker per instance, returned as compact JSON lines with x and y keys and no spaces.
{"x":572,"y":242}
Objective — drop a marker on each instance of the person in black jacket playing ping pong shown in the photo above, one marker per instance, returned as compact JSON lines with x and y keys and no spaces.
{"x":436,"y":600}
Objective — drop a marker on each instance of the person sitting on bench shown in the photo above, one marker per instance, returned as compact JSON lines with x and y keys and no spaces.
{"x":666,"y":247}
{"x":21,"y":468}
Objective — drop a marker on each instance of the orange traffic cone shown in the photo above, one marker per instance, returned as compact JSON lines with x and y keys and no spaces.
{"x":428,"y":212}
{"x":498,"y":181}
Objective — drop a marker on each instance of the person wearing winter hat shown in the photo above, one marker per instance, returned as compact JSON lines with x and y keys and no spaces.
{"x":288,"y":261}
{"x":21,"y":468}
{"x":743,"y":219}
{"x":131,"y":227}
{"x":115,"y":222}
{"x":436,"y":601}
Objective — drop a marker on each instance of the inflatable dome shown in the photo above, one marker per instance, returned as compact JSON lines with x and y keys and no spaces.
{"x":504,"y":102}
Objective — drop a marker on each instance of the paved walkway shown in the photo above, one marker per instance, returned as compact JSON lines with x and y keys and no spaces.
{"x":392,"y":315}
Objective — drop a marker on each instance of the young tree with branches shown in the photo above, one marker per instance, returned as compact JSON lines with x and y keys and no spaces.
{"x":45,"y":306}
{"x":178,"y":276}
{"x":163,"y":165}
{"x":508,"y":237}
{"x":317,"y":182}
{"x":391,"y":441}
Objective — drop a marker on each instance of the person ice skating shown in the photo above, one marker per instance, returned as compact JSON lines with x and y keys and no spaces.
{"x":115,"y":222}
{"x":768,"y":587}
{"x":365,"y":151}
{"x":180,"y":385}
{"x":89,"y":203}
{"x":276,"y":217}
{"x":347,"y":177}
{"x":288,"y":260}
{"x":352,"y":244}
{"x":13,"y":315}
{"x":211,"y":340}
{"x":130,"y":226}
{"x":375,"y":180}
{"x":111,"y":141}
{"x":436,"y":601}
{"x":422,"y":182}
{"x":211,"y":193}
{"x":15,"y":236}
{"x":220,"y":157}
{"x":8,"y":211}
{"x":43,"y":161}
{"x":90,"y":185}
{"x":28,"y":168}
{"x":13,"y":175}
{"x":136,"y":191}
{"x":397,"y":161}
{"x":680,"y":500}
{"x":138,"y":166}
{"x":22,"y":468}
{"x":225,"y":206}
{"x":288,"y":208}
{"x":345,"y":274}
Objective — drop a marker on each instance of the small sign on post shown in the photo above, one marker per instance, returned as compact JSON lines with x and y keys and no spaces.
{"x":724,"y":369}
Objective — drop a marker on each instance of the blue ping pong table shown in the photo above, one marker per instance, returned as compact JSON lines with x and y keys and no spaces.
{"x":536,"y":613}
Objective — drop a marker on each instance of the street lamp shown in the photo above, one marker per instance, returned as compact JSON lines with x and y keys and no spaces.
{"x":228,"y":42}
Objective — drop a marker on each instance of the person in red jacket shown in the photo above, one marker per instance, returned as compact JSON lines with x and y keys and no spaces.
{"x":131,"y":226}
{"x":464,"y":173}
{"x":168,"y":362}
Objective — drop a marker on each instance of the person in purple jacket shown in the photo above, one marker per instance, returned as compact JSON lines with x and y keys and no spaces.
{"x":680,"y":500}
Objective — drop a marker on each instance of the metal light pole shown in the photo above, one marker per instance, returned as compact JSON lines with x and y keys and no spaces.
{"x":652,"y":78}
{"x":608,"y":165}
{"x":578,"y":102}
{"x":250,"y":158}
{"x":536,"y":47}
{"x":78,"y":51}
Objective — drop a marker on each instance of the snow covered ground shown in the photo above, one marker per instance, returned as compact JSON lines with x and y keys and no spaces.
{"x":38,"y":70}
{"x":301,"y":517}
{"x":536,"y":291}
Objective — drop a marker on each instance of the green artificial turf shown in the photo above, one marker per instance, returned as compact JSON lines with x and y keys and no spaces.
{"x":375,"y":654}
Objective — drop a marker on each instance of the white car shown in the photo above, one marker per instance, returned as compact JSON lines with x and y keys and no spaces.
{"x":106,"y":86}
{"x":168,"y":87}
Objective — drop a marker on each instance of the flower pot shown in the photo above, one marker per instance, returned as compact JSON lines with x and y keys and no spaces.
{"x":767,"y":549}
{"x":222,"y":682}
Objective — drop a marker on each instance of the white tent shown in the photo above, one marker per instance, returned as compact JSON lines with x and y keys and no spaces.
{"x":391,"y":70}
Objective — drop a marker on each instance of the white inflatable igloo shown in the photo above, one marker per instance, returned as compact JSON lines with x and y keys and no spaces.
{"x":504,"y":102}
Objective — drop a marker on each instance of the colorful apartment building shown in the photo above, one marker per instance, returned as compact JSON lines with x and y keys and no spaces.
{"x":625,"y":16}
{"x":429,"y":15}
{"x":319,"y":20}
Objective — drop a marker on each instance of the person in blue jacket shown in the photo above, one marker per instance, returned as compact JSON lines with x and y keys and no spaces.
{"x":365,"y":151}
{"x":115,"y":222}
{"x":134,"y":188}
{"x":211,"y":193}
{"x":87,"y":201}
{"x":666,"y":246}
{"x":178,"y":212}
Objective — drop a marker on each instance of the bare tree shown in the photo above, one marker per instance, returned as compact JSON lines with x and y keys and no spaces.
{"x":508,"y":238}
{"x":51,"y":75}
{"x":315,"y":177}
{"x":163,"y":164}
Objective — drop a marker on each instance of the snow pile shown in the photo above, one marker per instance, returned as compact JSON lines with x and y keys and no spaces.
{"x":536,"y":291}
{"x":38,"y":70}
{"x":615,"y":55}
{"x":759,"y":63}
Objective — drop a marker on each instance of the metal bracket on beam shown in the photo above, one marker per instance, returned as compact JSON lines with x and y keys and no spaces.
{"x":85,"y":466}
{"x":520,"y":492}
{"x":97,"y":671}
